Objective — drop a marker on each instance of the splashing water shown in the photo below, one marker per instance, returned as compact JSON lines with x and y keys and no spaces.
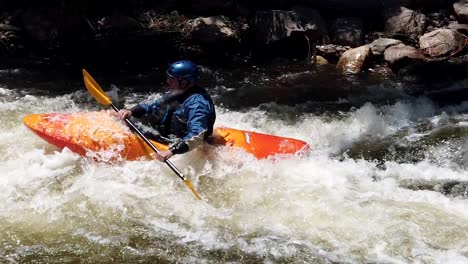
{"x":335,"y":204}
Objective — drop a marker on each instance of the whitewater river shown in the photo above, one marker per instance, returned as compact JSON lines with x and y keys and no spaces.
{"x":383,"y":183}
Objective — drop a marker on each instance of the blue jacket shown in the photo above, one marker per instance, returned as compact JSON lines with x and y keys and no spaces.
{"x":189,"y":116}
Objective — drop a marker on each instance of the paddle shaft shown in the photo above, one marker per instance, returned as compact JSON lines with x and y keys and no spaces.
{"x":168,"y":162}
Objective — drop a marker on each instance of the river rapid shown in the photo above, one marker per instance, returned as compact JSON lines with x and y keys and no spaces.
{"x":384,"y":182}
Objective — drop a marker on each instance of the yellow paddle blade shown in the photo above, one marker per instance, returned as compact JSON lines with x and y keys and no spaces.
{"x":95,"y":90}
{"x":190,"y":186}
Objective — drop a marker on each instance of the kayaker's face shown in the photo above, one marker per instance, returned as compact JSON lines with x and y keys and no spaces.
{"x":176,"y":85}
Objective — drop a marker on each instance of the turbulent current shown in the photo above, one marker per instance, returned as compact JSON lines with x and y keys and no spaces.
{"x":383,"y":183}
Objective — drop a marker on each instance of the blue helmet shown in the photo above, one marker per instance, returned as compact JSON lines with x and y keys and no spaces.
{"x":183,"y":70}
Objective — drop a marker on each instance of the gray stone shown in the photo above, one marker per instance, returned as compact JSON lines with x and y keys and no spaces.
{"x":379,"y":46}
{"x":441,"y":42}
{"x":401,"y":52}
{"x":211,"y":29}
{"x":405,"y":21}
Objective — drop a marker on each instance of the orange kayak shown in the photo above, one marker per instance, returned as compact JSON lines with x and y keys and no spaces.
{"x":94,"y":132}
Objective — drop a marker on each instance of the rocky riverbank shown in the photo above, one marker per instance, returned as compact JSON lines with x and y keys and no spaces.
{"x":421,"y":42}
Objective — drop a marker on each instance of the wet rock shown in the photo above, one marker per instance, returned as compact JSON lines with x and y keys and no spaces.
{"x":461,"y":9}
{"x":441,"y":42}
{"x":405,"y":21}
{"x":348,"y":31}
{"x":331,"y":51}
{"x":319,"y":60}
{"x":274,"y":25}
{"x":379,"y":46}
{"x":211,"y":30}
{"x":354,"y":60}
{"x":402,"y":53}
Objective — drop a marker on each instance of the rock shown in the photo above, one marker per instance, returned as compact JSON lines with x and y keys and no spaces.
{"x":312,"y":22}
{"x":461,"y":9}
{"x":331,"y":50}
{"x":405,"y":21}
{"x":271,"y":26}
{"x":462,"y":28}
{"x":319,"y":60}
{"x":348,"y":31}
{"x":441,"y":42}
{"x":353,"y":61}
{"x":211,"y":30}
{"x":274,"y":25}
{"x":401,"y":52}
{"x":381,"y":72}
{"x":379,"y":46}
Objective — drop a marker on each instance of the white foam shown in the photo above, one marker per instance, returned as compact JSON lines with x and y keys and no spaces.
{"x":342,"y":211}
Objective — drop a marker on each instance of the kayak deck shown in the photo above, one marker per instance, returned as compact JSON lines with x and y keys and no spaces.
{"x":100,"y":131}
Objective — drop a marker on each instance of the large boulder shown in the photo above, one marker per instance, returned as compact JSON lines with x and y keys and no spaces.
{"x":400,"y":53}
{"x":441,"y":42}
{"x":379,"y":46}
{"x":354,"y":60}
{"x":405,"y":21}
{"x":274,"y":25}
{"x":348,"y":31}
{"x":461,"y":9}
{"x":210,"y":30}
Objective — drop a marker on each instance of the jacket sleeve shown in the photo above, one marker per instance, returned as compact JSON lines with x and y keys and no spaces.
{"x":145,"y":108}
{"x":198,"y":114}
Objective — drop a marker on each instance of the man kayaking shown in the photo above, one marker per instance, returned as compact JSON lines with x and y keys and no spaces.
{"x":184,"y":116}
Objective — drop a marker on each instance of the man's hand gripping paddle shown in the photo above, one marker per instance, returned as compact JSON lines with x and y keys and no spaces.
{"x":95,"y":90}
